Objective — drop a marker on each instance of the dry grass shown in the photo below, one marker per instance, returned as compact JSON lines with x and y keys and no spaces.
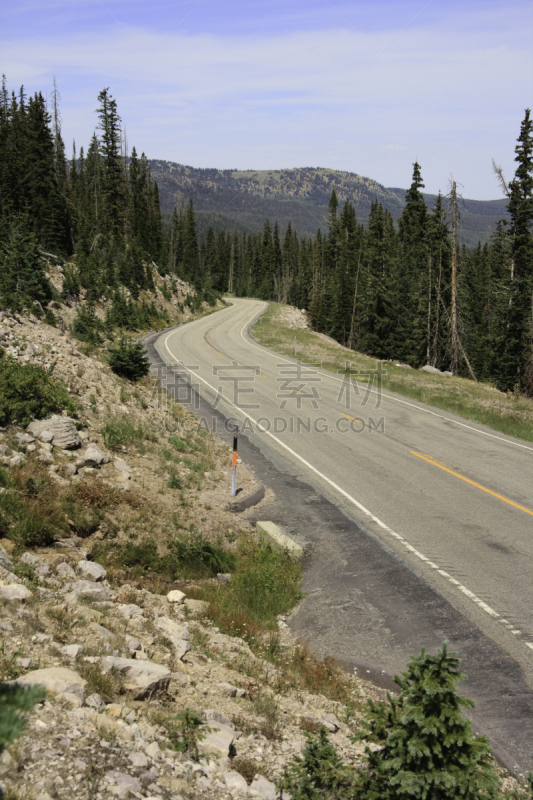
{"x":294,"y":669}
{"x":247,"y":767}
{"x":108,"y":685}
{"x":480,"y":402}
{"x":95,"y":494}
{"x":62,"y":621}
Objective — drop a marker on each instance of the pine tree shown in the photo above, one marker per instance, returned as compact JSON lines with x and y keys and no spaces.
{"x":516,"y":361}
{"x":412,"y":263}
{"x":137,"y":212}
{"x":438,"y":283}
{"x":112,"y":164}
{"x":376,"y":336}
{"x":129,"y":360}
{"x":190,"y":263}
{"x":428,"y":749}
{"x":23,"y":281}
{"x":15,"y":703}
{"x":267,"y":274}
{"x":317,"y":282}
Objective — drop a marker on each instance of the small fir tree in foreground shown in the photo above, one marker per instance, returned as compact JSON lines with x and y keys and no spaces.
{"x":427,"y":747}
{"x":15,"y":702}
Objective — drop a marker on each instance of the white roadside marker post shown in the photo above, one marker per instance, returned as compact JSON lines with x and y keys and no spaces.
{"x":295,"y":347}
{"x":234,"y":469}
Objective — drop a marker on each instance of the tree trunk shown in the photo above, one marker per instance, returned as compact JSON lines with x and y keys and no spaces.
{"x":350,"y":337}
{"x":455,"y":337}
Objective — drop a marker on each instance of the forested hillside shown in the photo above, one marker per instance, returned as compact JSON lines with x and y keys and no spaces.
{"x":97,"y":213}
{"x":242,"y":200}
{"x":410,"y":291}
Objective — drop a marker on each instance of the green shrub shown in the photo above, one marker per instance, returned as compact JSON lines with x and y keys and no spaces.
{"x":196,"y":556}
{"x":266,"y":581}
{"x":107,"y":684}
{"x":427,"y":747}
{"x":31,"y":513}
{"x":247,"y":767}
{"x":85,"y":521}
{"x":188,"y":556}
{"x":118,"y":431}
{"x":129,"y":360}
{"x":37,"y":524}
{"x":71,"y":284}
{"x":28,"y":392}
{"x":50,"y":318}
{"x":143,"y":555}
{"x":86,"y":326}
{"x":178,"y":443}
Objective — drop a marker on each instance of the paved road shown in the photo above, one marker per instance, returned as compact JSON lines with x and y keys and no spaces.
{"x":446,"y":503}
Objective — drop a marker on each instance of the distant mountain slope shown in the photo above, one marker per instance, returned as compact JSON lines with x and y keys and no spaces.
{"x":228,"y":199}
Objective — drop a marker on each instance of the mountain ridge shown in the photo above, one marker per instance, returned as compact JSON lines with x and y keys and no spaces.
{"x":243,"y":199}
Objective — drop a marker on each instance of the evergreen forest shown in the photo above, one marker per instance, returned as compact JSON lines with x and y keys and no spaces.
{"x":407,"y":291}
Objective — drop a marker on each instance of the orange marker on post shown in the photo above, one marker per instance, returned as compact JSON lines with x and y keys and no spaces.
{"x":234,"y":469}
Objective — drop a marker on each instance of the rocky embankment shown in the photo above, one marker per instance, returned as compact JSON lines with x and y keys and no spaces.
{"x":121,"y":665}
{"x":129,"y":660}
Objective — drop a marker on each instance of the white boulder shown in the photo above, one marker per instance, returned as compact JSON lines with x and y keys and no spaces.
{"x":14,"y":591}
{"x":94,"y":456}
{"x":57,"y":680}
{"x":143,"y":678}
{"x":59,"y":431}
{"x":175,"y":596}
{"x":91,"y":571}
{"x":178,"y":635}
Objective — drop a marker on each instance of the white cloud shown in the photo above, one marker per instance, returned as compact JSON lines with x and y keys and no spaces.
{"x":451,"y":99}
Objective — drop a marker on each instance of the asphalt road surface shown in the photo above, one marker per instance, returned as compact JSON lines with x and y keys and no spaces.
{"x":418,"y":525}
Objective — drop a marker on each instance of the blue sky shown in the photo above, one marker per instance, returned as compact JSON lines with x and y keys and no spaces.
{"x":367,"y":87}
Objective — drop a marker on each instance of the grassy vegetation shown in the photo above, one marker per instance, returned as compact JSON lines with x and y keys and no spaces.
{"x":35,"y":513}
{"x":30,"y":514}
{"x":509,"y":413}
{"x":264,"y":583}
{"x":188,"y":556}
{"x":28,"y":392}
{"x":122,"y":431}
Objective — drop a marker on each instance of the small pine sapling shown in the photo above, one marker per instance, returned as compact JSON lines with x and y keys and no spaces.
{"x":186,"y":730}
{"x":128,"y":360}
{"x":427,"y":747}
{"x":318,"y":774}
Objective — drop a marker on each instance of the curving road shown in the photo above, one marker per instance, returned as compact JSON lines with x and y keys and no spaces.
{"x":448,"y":499}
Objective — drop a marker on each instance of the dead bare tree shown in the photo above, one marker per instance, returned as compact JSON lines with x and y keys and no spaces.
{"x":231,"y":266}
{"x":501,"y":178}
{"x":454,"y":335}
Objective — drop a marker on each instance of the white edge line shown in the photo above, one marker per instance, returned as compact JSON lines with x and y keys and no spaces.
{"x":328,"y":374}
{"x":473,"y":597}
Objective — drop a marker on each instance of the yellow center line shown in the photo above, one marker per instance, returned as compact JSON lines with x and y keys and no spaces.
{"x":355,"y":419}
{"x":473,"y":483}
